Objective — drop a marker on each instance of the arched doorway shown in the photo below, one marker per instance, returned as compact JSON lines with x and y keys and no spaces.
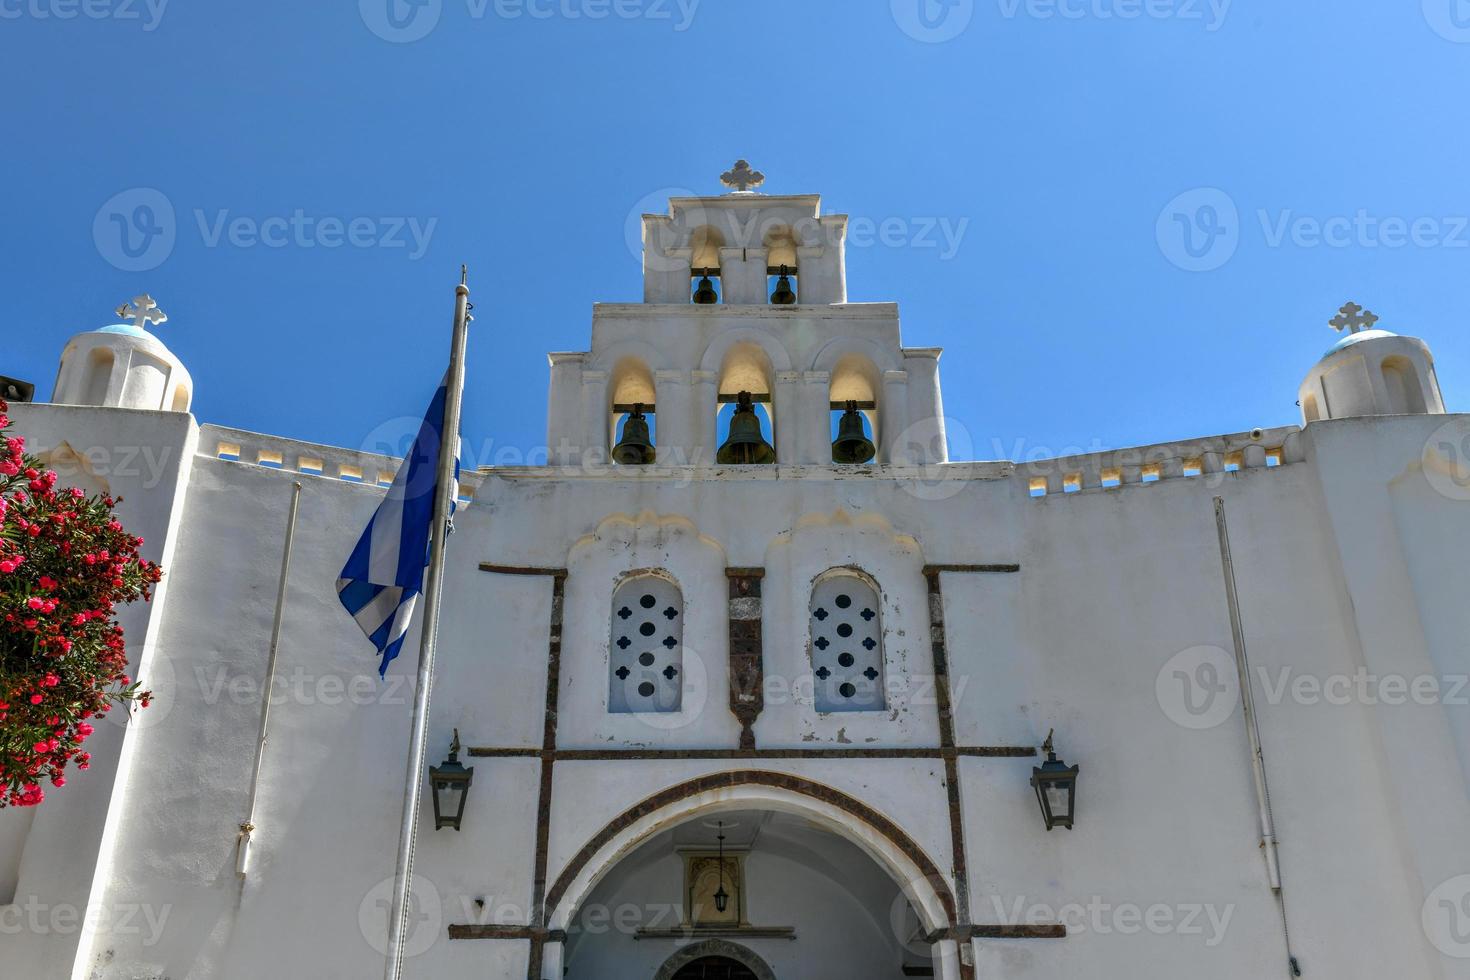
{"x":819,"y":885}
{"x":715,"y":959}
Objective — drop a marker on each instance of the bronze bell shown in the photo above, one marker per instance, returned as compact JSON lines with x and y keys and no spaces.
{"x":634,"y":448}
{"x":745,"y":443}
{"x":851,"y":444}
{"x":784,"y":295}
{"x":705,"y":294}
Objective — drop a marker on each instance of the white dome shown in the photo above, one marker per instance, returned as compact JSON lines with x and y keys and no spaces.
{"x":1372,"y":372}
{"x":122,"y":366}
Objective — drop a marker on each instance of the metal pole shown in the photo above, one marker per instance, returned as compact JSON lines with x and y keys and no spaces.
{"x":247,"y":828}
{"x":434,"y":586}
{"x":1253,"y":731}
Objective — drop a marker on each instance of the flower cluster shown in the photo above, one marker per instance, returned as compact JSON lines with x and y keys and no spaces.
{"x":66,"y":564}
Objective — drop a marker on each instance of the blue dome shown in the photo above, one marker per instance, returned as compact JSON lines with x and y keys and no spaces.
{"x":129,"y":329}
{"x":1357,"y":338}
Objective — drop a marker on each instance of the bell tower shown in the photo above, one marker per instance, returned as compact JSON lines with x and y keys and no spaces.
{"x":745,"y":350}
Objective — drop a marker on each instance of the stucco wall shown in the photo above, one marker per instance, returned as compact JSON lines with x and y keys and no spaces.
{"x":1348,"y":558}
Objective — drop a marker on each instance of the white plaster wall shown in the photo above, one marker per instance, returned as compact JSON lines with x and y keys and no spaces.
{"x":143,"y":457}
{"x":1343,"y":560}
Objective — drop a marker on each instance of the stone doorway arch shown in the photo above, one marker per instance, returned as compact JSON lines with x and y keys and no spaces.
{"x":675,"y":967}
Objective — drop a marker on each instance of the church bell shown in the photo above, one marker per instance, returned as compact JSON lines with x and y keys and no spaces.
{"x":745,"y":443}
{"x":634,"y":448}
{"x":704,"y":293}
{"x":784,"y":295}
{"x":851,"y":445}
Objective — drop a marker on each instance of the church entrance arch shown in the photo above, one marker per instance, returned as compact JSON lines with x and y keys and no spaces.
{"x":715,"y":959}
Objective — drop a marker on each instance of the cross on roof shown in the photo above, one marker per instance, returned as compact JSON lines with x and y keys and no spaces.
{"x":142,"y":311}
{"x":742,"y":178}
{"x":1353,"y":318}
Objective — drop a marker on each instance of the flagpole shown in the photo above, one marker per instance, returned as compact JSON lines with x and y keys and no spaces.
{"x":443,"y":489}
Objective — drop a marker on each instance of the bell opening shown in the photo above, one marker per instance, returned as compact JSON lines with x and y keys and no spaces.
{"x":745,"y":432}
{"x":636,"y":444}
{"x":852,"y":434}
{"x":783,"y":283}
{"x":706,"y":287}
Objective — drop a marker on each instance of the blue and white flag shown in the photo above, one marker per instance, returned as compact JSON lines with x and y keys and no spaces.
{"x":381,"y":582}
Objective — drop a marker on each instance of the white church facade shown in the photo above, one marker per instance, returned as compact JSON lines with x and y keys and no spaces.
{"x":754,"y":679}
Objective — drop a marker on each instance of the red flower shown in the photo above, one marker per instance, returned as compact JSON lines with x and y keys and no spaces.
{"x":66,"y":565}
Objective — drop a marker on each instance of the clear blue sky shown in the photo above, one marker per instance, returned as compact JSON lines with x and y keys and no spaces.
{"x":1050,"y":134}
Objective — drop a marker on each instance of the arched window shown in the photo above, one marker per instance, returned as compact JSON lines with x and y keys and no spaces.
{"x":782,"y":279}
{"x":705,"y":243}
{"x":632,"y":392}
{"x":745,"y":388}
{"x":846,"y":643}
{"x":646,"y":652}
{"x":854,"y":387}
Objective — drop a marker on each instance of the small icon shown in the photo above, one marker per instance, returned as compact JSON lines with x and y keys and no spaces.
{"x":135,"y":230}
{"x":400,"y":21}
{"x":1198,"y":688}
{"x":1199,"y":230}
{"x":932,"y":21}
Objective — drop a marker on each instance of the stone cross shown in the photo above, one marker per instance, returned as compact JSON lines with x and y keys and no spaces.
{"x":742,"y":178}
{"x":1353,"y":318}
{"x":142,"y":312}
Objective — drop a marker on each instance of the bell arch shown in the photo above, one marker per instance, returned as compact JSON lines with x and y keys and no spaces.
{"x":880,"y":838}
{"x":719,"y":948}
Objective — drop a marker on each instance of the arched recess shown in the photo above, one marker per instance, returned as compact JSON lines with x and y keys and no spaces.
{"x":715,"y":947}
{"x":747,"y":367}
{"x":880,"y":838}
{"x":1405,"y":396}
{"x":855,"y":368}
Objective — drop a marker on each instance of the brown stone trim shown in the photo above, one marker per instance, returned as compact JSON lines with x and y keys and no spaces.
{"x":964,"y":934}
{"x":486,"y":566}
{"x":1000,"y":569}
{"x":548,"y":759}
{"x":947,"y":741}
{"x":507,"y":932}
{"x":635,"y":755}
{"x":747,"y":668}
{"x":757,"y":777}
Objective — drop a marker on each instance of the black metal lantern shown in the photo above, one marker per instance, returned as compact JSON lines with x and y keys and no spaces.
{"x":451,"y":783}
{"x":1056,"y":788}
{"x":722,"y":897}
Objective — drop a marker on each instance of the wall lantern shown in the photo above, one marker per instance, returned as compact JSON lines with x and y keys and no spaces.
{"x":451,"y":783}
{"x":722,"y":897}
{"x":1056,"y":788}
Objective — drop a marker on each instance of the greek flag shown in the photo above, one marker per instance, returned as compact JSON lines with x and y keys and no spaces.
{"x":381,"y":582}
